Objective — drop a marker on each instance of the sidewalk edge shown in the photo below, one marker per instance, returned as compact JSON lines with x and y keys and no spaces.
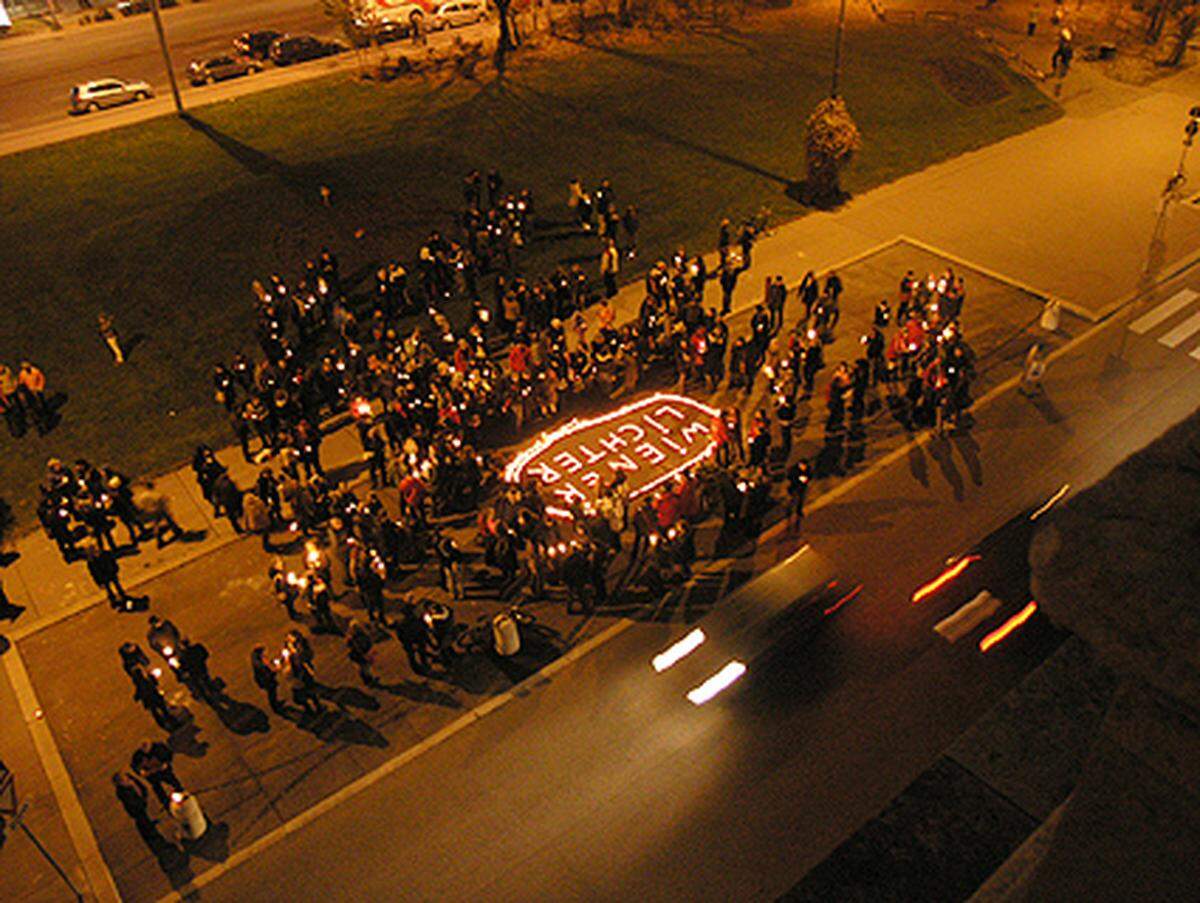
{"x":78,"y":826}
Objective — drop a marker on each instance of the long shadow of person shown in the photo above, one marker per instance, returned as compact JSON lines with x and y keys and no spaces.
{"x":939,"y":450}
{"x":968,"y":448}
{"x":421,"y":692}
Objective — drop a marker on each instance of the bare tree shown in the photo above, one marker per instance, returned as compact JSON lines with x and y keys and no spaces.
{"x":359,"y":21}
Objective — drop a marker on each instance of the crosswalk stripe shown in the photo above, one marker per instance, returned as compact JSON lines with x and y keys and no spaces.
{"x":1182,"y":331}
{"x":1195,"y":353}
{"x":1176,"y":302}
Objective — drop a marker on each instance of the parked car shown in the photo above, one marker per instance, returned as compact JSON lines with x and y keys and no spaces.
{"x":256,"y":44}
{"x":107,"y":92}
{"x":133,"y":7}
{"x":298,"y":48}
{"x":218,"y":68}
{"x":383,"y":33}
{"x":456,"y":13}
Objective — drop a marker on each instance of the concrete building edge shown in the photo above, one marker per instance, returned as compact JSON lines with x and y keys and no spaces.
{"x":83,"y":839}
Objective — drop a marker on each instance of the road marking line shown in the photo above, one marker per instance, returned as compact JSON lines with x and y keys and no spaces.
{"x":78,"y":826}
{"x":394,"y":764}
{"x":1195,"y":353}
{"x":1156,"y":315}
{"x":1181,"y":332}
{"x":967,"y":618}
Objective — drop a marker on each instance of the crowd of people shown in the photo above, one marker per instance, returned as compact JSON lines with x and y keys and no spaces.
{"x":23,"y":400}
{"x":428,"y":396}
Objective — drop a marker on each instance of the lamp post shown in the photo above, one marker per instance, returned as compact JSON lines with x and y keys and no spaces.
{"x":837,"y":50}
{"x":162,"y":45}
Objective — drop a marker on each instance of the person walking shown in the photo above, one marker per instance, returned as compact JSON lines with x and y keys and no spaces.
{"x":266,"y":678}
{"x":156,"y":508}
{"x":108,"y":332}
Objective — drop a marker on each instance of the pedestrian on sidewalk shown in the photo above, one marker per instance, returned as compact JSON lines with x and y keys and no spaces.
{"x":149,"y":695}
{"x":283,"y":585}
{"x":630,"y":222}
{"x":450,"y":558}
{"x":152,"y":763}
{"x":412,"y":636}
{"x":32,"y":388}
{"x":727,"y":279}
{"x":134,"y":799}
{"x":746,"y":241}
{"x":359,"y":648}
{"x":227,"y":500}
{"x":776,"y":298}
{"x":155,"y":507}
{"x":266,"y":678}
{"x":108,"y":332}
{"x":798,"y":476}
{"x":105,"y":573}
{"x":808,"y":293}
{"x":1033,"y":371}
{"x":610,"y":265}
{"x":258,"y":519}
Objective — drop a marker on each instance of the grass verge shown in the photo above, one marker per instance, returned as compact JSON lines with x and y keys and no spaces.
{"x":164,"y":224}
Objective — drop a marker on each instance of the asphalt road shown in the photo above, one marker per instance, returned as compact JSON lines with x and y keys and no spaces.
{"x":37,"y":72}
{"x":605,"y":783}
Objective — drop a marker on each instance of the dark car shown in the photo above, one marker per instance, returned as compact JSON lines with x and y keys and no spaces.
{"x":381,"y":33}
{"x":218,"y":68}
{"x":298,"y":48}
{"x":256,"y":44}
{"x":133,"y":7}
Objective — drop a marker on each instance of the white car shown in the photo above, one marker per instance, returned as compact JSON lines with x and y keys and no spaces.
{"x":107,"y":92}
{"x":455,"y":13}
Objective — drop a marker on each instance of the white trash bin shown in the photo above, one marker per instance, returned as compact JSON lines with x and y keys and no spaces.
{"x":186,"y":810}
{"x":506,"y":638}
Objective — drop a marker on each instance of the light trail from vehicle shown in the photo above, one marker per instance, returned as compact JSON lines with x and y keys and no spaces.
{"x":717,"y":683}
{"x":842,"y":601}
{"x":1006,"y":629}
{"x":1051,"y":502}
{"x":676,"y":652}
{"x":945,"y":577}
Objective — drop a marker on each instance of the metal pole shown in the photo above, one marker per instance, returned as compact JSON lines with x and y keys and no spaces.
{"x":837,"y":50}
{"x":162,"y":44}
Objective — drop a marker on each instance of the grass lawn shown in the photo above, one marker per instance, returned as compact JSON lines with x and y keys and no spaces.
{"x":165,"y":224}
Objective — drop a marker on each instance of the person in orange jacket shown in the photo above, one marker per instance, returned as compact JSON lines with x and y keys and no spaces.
{"x":32,"y":383}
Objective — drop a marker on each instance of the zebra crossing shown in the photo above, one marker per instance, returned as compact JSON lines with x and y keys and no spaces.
{"x":1173,"y":322}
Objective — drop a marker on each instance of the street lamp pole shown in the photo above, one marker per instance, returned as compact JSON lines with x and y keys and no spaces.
{"x":837,"y":50}
{"x":162,"y":45}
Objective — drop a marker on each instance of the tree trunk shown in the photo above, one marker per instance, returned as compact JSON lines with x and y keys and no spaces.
{"x":504,"y":41}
